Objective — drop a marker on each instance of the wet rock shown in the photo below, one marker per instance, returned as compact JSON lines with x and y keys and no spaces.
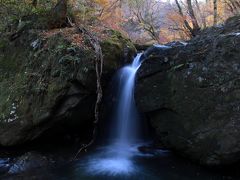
{"x":28,"y":162}
{"x":4,"y":165}
{"x":193,"y":99}
{"x":152,"y":150}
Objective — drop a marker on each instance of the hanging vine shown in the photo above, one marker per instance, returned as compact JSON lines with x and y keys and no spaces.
{"x":98,"y":68}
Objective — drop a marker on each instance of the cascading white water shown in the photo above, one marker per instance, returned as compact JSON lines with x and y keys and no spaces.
{"x":125,"y":117}
{"x":116,"y":158}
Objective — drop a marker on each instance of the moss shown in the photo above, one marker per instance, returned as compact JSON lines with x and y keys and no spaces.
{"x":113,"y":47}
{"x":12,"y":76}
{"x":54,"y":87}
{"x":11,"y":91}
{"x":108,"y":47}
{"x":116,"y":36}
{"x":7,"y":59}
{"x":8,"y":64}
{"x":37,"y":79}
{"x":3,"y":44}
{"x":5,"y":103}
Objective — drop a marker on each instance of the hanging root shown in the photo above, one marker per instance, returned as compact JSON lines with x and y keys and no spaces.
{"x":98,"y":68}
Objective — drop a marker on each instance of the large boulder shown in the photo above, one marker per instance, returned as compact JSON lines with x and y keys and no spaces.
{"x":191,"y":95}
{"x":48,"y":81}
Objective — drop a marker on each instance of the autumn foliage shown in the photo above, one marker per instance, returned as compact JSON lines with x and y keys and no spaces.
{"x":144,"y":21}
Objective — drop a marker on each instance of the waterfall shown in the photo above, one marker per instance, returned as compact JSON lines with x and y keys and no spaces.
{"x":126,"y":115}
{"x":116,"y":158}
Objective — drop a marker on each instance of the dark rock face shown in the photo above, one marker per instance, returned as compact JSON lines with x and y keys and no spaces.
{"x":48,"y":81}
{"x":191,"y":95}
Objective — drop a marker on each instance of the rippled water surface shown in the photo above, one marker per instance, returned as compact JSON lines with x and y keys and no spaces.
{"x":162,"y":165}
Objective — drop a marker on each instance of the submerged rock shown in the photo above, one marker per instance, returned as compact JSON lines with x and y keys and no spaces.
{"x":48,"y":81}
{"x":28,"y":162}
{"x":191,"y":95}
{"x":4,"y":165}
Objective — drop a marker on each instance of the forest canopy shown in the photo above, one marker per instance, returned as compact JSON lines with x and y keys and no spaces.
{"x":144,"y":21}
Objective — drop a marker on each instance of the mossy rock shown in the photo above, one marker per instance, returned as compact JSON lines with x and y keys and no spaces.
{"x":48,"y":80}
{"x":3,"y":44}
{"x":117,"y":46}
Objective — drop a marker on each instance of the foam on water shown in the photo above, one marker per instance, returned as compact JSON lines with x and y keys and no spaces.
{"x":111,"y":166}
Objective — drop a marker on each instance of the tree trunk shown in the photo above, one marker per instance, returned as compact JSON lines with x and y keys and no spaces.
{"x":195,"y":24}
{"x":186,"y":24}
{"x":215,"y":12}
{"x":201,"y":14}
{"x":233,"y":6}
